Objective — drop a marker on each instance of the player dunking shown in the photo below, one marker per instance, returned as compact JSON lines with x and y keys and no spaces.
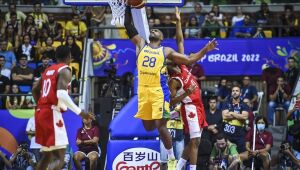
{"x":153,"y":91}
{"x":52,"y":97}
{"x":185,"y":89}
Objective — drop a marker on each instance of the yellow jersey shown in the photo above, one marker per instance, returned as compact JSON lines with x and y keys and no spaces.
{"x":151,"y":67}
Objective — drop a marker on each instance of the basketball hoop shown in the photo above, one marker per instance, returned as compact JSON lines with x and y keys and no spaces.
{"x":118,"y":11}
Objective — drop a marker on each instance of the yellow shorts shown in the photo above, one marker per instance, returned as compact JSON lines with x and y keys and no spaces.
{"x":153,"y":103}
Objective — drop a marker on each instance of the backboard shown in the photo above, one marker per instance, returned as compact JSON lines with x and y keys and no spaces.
{"x":104,"y":2}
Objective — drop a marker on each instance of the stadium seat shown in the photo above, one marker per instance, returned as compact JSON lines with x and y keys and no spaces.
{"x":76,"y":67}
{"x":32,"y":65}
{"x":63,"y":24}
{"x":268,"y":33}
{"x":25,"y":89}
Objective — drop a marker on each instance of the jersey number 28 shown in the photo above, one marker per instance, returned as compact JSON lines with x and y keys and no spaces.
{"x":149,"y":61}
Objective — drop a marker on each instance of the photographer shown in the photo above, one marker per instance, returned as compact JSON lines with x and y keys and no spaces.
{"x":22,"y":158}
{"x":4,"y":162}
{"x":288,"y":157}
{"x":224,"y":154}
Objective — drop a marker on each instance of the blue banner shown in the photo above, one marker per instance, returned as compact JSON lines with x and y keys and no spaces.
{"x":235,"y":57}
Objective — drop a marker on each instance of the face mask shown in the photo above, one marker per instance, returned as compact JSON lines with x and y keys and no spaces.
{"x":261,"y":127}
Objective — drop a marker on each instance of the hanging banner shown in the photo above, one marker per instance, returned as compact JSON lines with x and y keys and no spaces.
{"x":235,"y":57}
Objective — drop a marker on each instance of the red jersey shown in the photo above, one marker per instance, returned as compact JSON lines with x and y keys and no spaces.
{"x":187,"y":79}
{"x":49,"y":82}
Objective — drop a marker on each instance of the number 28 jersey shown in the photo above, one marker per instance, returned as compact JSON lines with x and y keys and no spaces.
{"x":151,"y":67}
{"x":49,"y":83}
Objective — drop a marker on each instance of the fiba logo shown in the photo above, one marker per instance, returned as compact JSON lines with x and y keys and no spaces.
{"x":137,"y":158}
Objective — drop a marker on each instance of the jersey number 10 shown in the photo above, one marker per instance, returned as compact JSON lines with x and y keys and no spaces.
{"x":149,"y":61}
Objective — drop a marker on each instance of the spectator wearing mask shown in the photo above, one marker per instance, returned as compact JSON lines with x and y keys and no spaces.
{"x":235,"y":113}
{"x":26,"y":49}
{"x":30,"y":131}
{"x":292,"y":72}
{"x":52,"y":29}
{"x":12,"y":8}
{"x":213,"y":119}
{"x":224,"y":154}
{"x":23,"y":158}
{"x":22,"y":74}
{"x":249,"y":91}
{"x":14,"y":101}
{"x":4,"y":71}
{"x":279,"y":97}
{"x":10,"y":58}
{"x":87,"y":141}
{"x":263,"y":144}
{"x":76,"y":28}
{"x":4,"y":162}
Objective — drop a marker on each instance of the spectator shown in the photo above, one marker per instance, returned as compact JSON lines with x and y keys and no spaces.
{"x":150,"y":13}
{"x":109,"y":33}
{"x":224,"y":154}
{"x":40,"y":18}
{"x":30,"y":131}
{"x":279,"y":96}
{"x":87,"y":142}
{"x":41,"y":68}
{"x":10,"y":58}
{"x":223,"y":91}
{"x":292,"y":72}
{"x":167,"y":31}
{"x":213,"y":119}
{"x":23,"y":158}
{"x":156,"y":22}
{"x":235,"y":113}
{"x":218,"y":15}
{"x":34,"y":37}
{"x":13,"y":9}
{"x":76,"y":28}
{"x":259,"y":32}
{"x":98,"y":13}
{"x":17,"y":26}
{"x":211,"y":26}
{"x":11,"y":37}
{"x":4,"y":162}
{"x":15,"y":101}
{"x":249,"y":91}
{"x":243,"y":28}
{"x":22,"y":74}
{"x":263,"y":144}
{"x":192,"y":30}
{"x":75,"y":88}
{"x":75,"y":52}
{"x":26,"y":49}
{"x":294,"y":113}
{"x":48,"y":49}
{"x":290,"y":21}
{"x":198,"y":14}
{"x":52,"y":29}
{"x":4,"y":71}
{"x":29,"y":23}
{"x":238,"y":17}
{"x":151,"y":23}
{"x":4,"y":89}
{"x":263,"y":16}
{"x":270,"y":76}
{"x":197,"y":70}
{"x":29,"y":103}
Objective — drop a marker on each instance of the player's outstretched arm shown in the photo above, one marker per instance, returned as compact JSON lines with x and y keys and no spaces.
{"x":182,"y":59}
{"x":179,"y":34}
{"x":36,"y":90}
{"x":131,"y":30}
{"x":64,"y":78}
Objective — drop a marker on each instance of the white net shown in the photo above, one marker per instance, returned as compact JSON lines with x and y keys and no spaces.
{"x":118,"y":11}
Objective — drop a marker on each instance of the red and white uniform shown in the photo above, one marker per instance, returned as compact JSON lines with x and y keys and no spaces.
{"x":192,"y":108}
{"x":50,"y":127}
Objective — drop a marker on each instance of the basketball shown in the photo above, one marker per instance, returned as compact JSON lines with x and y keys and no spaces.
{"x":136,"y":3}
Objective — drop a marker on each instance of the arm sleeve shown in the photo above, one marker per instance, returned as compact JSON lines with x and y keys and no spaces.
{"x":65,"y":99}
{"x":131,"y":30}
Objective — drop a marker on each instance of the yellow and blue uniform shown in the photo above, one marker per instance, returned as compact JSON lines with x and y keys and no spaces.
{"x":153,"y":90}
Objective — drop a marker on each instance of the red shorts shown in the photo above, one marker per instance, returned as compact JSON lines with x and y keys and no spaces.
{"x":50,"y":127}
{"x":194,"y":119}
